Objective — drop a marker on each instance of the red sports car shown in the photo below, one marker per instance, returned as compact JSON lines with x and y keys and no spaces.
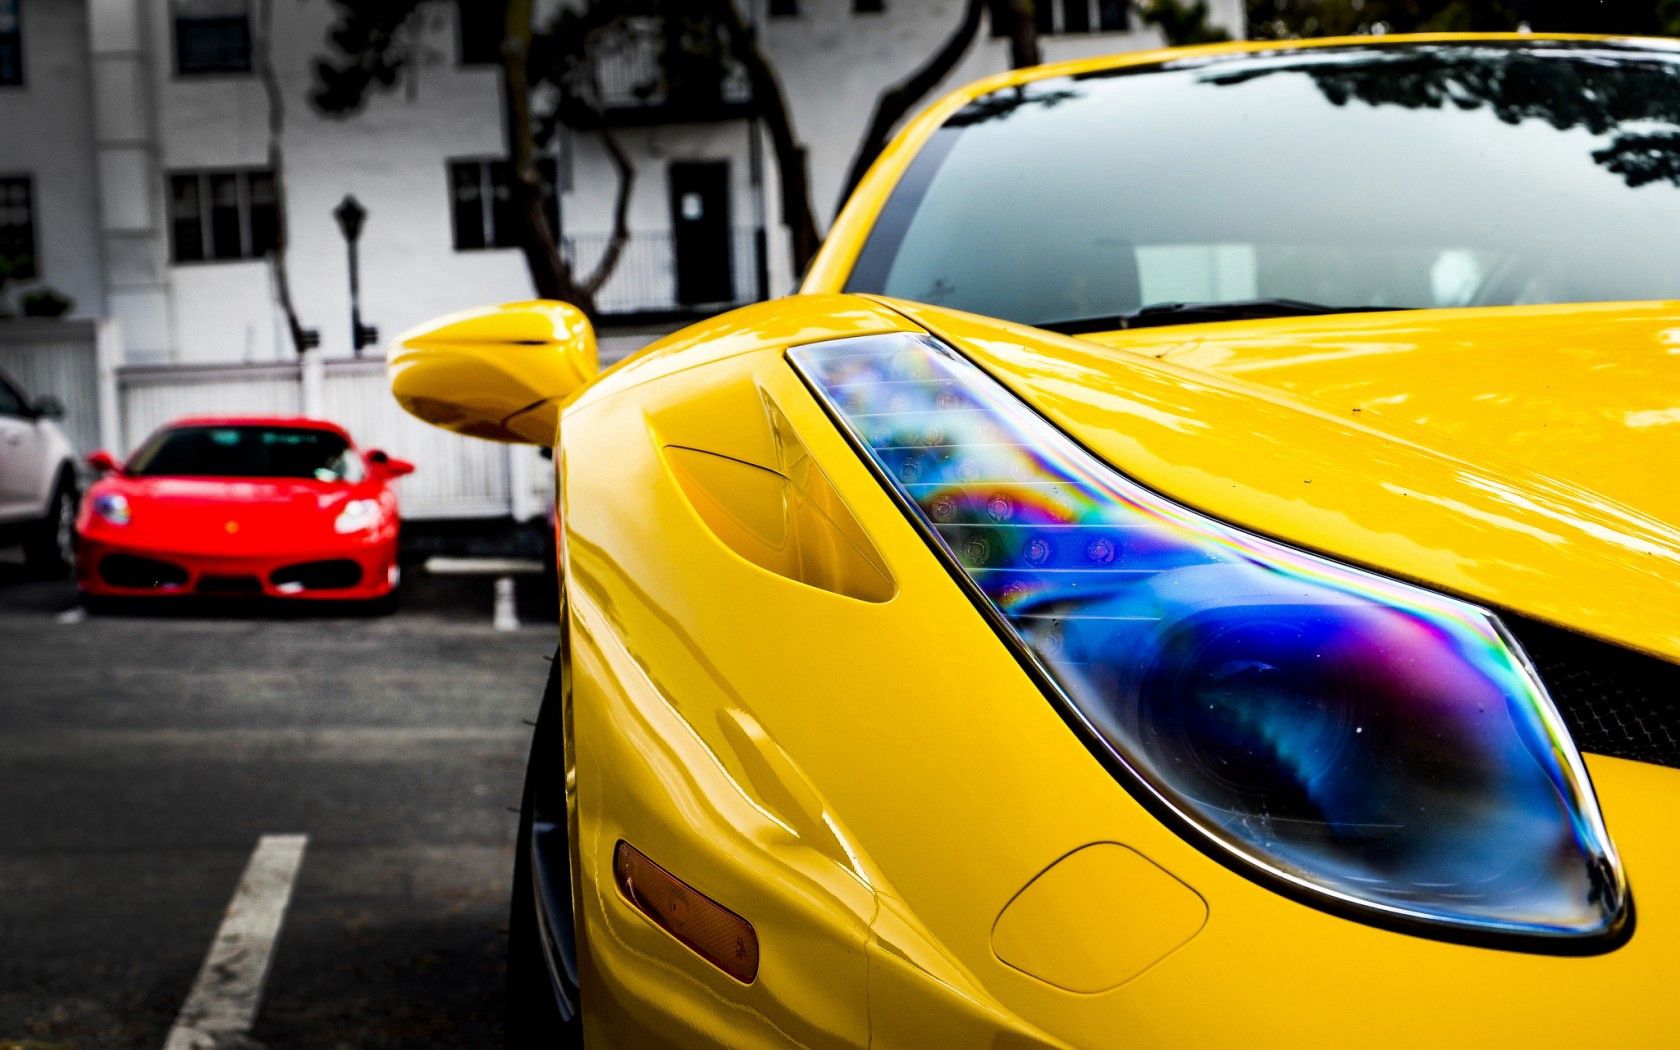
{"x":226,"y":506}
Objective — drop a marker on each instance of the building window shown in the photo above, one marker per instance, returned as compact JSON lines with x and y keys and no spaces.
{"x":17,"y":226}
{"x":11,"y":43}
{"x":480,"y":25}
{"x":784,"y":8}
{"x":1113,"y":16}
{"x":868,"y":7}
{"x":481,"y":202}
{"x":1054,"y":17}
{"x":212,"y":36}
{"x":221,"y":215}
{"x":1081,"y":16}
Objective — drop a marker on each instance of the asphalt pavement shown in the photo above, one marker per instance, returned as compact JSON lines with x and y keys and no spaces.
{"x":144,"y":755}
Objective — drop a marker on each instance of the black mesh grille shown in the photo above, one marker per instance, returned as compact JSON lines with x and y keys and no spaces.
{"x":1616,"y":702}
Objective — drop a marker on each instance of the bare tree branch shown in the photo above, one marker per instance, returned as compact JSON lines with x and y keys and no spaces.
{"x":771,"y":103}
{"x":263,"y":56}
{"x":902,"y":97}
{"x":551,"y":276}
{"x":621,"y":212}
{"x":579,"y":84}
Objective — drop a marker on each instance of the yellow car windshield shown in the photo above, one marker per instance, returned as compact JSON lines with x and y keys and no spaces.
{"x":1313,"y":180}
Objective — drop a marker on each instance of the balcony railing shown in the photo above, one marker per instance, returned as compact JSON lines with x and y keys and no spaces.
{"x":645,"y":280}
{"x":637,"y":87}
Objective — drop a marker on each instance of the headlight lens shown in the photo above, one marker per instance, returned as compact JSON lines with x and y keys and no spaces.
{"x":113,"y":507}
{"x":1366,"y":744}
{"x":358,"y":515}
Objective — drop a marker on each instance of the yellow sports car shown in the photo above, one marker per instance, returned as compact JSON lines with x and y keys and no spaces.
{"x":1198,"y":564}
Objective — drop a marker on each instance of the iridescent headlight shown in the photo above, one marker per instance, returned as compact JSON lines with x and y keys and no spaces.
{"x":113,"y":507}
{"x":1366,"y":744}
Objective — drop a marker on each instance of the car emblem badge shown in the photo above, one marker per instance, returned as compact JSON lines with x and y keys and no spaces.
{"x":232,"y":527}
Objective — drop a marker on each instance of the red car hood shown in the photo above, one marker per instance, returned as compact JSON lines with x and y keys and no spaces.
{"x":234,"y":517}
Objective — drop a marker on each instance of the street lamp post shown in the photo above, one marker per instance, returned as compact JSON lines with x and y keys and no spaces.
{"x":351,"y":216}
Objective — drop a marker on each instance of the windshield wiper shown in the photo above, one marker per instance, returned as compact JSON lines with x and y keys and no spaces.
{"x":1199,"y":313}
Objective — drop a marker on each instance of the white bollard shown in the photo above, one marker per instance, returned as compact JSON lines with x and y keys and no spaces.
{"x":506,"y":615}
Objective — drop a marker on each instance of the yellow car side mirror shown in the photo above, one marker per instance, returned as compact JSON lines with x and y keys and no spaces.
{"x":497,"y":372}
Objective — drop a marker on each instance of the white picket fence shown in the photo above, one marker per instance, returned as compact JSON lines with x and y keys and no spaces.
{"x":114,"y":407}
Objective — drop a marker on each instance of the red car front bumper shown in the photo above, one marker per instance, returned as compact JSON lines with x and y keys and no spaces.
{"x":347,"y":573}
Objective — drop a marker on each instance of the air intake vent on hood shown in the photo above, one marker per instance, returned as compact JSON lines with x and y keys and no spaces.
{"x":1617,"y":702}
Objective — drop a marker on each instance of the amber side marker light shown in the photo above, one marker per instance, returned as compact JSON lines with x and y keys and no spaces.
{"x":715,"y":933}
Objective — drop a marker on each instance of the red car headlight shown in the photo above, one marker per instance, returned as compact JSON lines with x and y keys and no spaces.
{"x":359,"y":515}
{"x":113,"y":507}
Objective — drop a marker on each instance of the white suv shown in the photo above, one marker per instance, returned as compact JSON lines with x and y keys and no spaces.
{"x":37,"y":480}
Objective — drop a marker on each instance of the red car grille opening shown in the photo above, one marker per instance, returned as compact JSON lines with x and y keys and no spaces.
{"x":133,"y":571}
{"x":212,"y":584}
{"x":327,"y":575}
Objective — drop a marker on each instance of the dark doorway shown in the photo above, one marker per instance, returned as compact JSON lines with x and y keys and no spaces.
{"x":700,"y":219}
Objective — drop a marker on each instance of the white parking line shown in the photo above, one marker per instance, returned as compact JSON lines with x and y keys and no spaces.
{"x":439,"y":565}
{"x":72,"y":615}
{"x":223,"y":1002}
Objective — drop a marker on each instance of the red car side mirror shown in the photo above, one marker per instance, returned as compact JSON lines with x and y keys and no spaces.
{"x":387,"y":465}
{"x":104,"y":462}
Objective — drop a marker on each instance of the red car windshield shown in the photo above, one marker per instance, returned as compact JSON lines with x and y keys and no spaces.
{"x":247,"y":452}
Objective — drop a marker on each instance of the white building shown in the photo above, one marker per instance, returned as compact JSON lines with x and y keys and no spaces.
{"x":136,"y":177}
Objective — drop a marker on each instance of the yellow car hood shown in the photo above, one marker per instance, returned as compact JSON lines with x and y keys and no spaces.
{"x":1591,"y":395}
{"x":869,"y":777}
{"x":1517,"y":456}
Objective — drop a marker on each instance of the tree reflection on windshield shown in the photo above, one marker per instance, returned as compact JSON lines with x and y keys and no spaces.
{"x":1000,"y":104}
{"x":1408,"y":175}
{"x":1599,"y":91}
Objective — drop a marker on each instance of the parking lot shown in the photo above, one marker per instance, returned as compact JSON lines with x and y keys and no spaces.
{"x":144,"y":756}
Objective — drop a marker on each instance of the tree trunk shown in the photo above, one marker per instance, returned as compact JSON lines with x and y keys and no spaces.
{"x":898,"y":100}
{"x":264,"y":55}
{"x":771,"y":105}
{"x":551,"y":276}
{"x":1023,"y":33}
